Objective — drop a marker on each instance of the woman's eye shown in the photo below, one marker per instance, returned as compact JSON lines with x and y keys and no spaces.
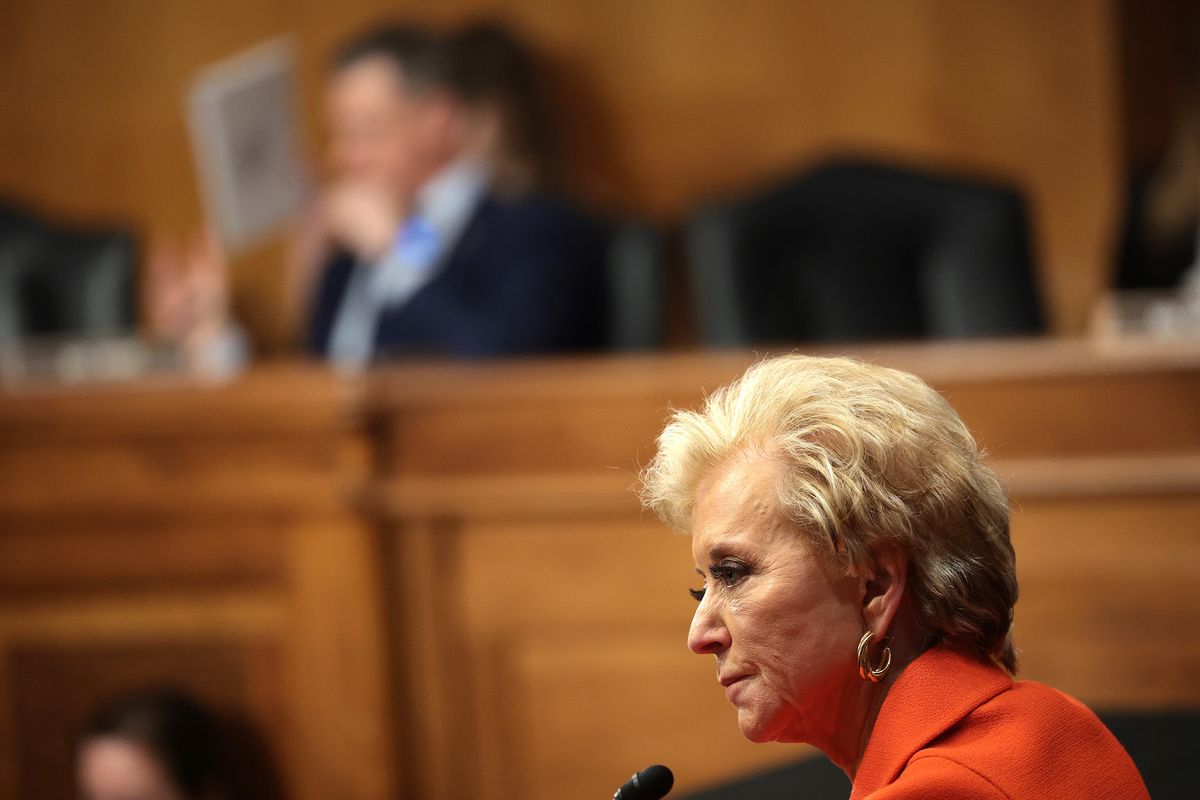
{"x":697,"y":594}
{"x":728,"y":573}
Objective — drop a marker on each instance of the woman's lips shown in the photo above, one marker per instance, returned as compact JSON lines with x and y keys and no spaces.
{"x":732,"y":685}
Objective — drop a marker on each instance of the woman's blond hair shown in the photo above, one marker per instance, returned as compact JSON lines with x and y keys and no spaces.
{"x":873,"y":457}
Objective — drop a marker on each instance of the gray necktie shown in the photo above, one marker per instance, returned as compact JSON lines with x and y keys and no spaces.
{"x":373,"y":287}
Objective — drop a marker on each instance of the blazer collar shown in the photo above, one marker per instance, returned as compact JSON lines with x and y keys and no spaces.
{"x":935,"y":692}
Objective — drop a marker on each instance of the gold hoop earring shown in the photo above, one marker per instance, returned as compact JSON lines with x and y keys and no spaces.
{"x":865,"y":670}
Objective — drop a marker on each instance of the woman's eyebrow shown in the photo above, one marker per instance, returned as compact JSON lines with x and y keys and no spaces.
{"x":719,"y":549}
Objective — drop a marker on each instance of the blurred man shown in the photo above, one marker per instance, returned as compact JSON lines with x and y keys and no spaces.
{"x":409,"y":249}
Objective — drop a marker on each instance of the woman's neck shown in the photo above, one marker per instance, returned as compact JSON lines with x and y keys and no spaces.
{"x":849,"y":743}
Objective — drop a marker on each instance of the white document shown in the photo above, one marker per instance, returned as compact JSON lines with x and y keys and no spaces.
{"x":243,"y":122}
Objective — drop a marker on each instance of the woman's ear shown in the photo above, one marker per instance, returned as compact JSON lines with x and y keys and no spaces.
{"x":884,"y":590}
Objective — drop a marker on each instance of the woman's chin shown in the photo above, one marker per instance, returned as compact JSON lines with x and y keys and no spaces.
{"x":754,"y":727}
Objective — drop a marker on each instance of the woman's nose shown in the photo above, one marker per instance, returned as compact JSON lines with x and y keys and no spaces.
{"x":708,"y":633}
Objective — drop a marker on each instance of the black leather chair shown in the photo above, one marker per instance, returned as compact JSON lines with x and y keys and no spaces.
{"x":635,"y":287}
{"x":859,"y":251}
{"x":61,"y":281}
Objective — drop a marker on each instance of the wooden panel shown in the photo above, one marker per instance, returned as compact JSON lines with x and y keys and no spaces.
{"x":1018,"y":418}
{"x":1108,"y":476}
{"x":296,"y":398}
{"x":282,"y":443}
{"x":527,"y":437}
{"x":57,"y":558}
{"x":1082,"y":415}
{"x":661,"y":103}
{"x":184,"y":527}
{"x":1108,"y":587}
{"x":239,"y":475}
{"x":589,"y":573}
{"x":339,"y":690}
{"x":1020,"y":399}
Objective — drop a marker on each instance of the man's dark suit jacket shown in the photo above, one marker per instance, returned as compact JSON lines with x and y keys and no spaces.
{"x":526,"y":276}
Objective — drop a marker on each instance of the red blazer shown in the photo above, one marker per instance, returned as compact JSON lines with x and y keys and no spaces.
{"x":954,"y":727}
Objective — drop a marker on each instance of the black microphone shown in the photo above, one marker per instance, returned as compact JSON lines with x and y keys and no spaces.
{"x":651,"y":783}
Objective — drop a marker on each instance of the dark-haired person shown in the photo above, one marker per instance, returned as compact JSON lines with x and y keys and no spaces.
{"x":156,"y":745}
{"x":499,"y":77}
{"x":412,"y":247}
{"x":858,"y":584}
{"x":1159,"y":244}
{"x":160,"y":744}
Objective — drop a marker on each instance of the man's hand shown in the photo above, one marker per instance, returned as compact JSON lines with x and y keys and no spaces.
{"x":362,"y":218}
{"x":187,"y":289}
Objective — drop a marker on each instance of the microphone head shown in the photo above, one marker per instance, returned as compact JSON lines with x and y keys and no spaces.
{"x":656,"y":781}
{"x":652,"y":783}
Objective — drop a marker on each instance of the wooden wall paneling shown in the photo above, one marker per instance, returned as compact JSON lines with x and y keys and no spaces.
{"x":1107,"y":597}
{"x":250,"y":474}
{"x":1085,"y":415}
{"x":523,"y":437}
{"x":194,"y":507}
{"x":1155,"y":413}
{"x":1100,"y":477}
{"x":1020,"y":398}
{"x":46,"y":558}
{"x":339,"y":687}
{"x":428,"y":658}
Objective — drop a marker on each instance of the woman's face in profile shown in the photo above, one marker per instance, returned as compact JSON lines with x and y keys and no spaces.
{"x":779,"y":615}
{"x":112,"y":768}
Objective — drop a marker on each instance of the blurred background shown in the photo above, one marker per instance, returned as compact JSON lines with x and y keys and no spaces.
{"x":421,"y":573}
